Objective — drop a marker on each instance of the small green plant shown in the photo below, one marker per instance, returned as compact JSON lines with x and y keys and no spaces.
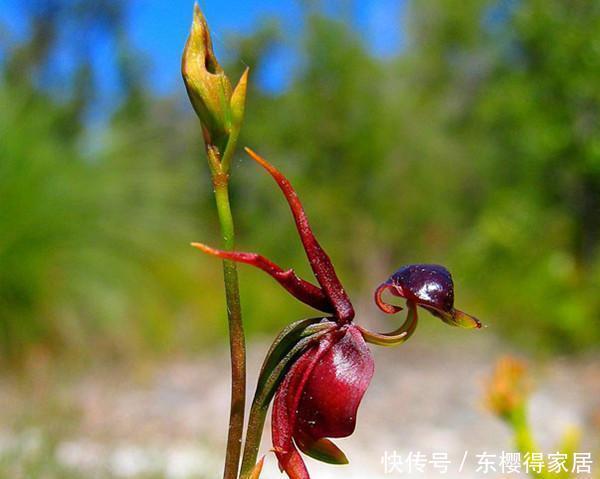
{"x":507,"y":396}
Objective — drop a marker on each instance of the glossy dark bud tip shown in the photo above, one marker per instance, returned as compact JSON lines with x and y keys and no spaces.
{"x":429,"y":286}
{"x":425,"y":284}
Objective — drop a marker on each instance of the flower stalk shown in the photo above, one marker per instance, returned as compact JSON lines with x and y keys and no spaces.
{"x":221,"y":111}
{"x":236,"y":336}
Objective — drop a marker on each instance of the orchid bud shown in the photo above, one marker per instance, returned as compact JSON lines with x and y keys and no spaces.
{"x":209,"y":89}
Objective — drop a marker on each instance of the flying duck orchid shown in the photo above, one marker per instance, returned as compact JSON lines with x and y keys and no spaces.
{"x":317,"y":370}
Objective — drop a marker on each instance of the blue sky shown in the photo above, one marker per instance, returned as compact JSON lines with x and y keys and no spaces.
{"x":159,"y":28}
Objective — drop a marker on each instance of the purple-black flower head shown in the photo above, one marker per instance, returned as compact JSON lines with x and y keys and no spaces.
{"x":429,"y":286}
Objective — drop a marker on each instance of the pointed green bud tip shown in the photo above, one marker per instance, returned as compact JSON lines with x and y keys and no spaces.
{"x":238,"y":99}
{"x":464,"y":320}
{"x":207,"y":85}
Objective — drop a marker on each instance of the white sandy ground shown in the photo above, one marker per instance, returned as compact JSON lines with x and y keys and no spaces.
{"x":425,"y":397}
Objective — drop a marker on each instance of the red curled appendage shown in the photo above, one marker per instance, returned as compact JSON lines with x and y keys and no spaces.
{"x":306,"y":292}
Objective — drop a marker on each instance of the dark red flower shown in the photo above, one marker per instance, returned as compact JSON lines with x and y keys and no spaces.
{"x":319,"y":399}
{"x":322,"y":377}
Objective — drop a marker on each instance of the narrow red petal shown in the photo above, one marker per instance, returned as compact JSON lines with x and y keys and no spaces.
{"x":303,"y":290}
{"x":381,"y":304}
{"x":285,"y":406}
{"x":319,"y":260}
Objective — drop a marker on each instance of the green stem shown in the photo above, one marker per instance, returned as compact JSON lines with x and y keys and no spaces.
{"x":524,"y":440}
{"x":236,"y":331}
{"x":230,"y":149}
{"x":256,"y":424}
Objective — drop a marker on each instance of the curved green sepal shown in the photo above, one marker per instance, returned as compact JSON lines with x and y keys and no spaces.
{"x":282,"y":344}
{"x":397,"y":337}
{"x":383,"y":339}
{"x":322,"y":450}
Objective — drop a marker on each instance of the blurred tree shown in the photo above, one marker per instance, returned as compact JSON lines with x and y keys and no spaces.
{"x":93,"y":223}
{"x":477,"y":146}
{"x":518,"y":82}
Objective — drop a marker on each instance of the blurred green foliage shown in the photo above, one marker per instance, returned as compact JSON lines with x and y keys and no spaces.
{"x":476,"y":147}
{"x":94,"y":222}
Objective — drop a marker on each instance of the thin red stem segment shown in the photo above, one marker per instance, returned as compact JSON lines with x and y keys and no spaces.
{"x":306,"y":292}
{"x":319,"y":261}
{"x":381,"y":304}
